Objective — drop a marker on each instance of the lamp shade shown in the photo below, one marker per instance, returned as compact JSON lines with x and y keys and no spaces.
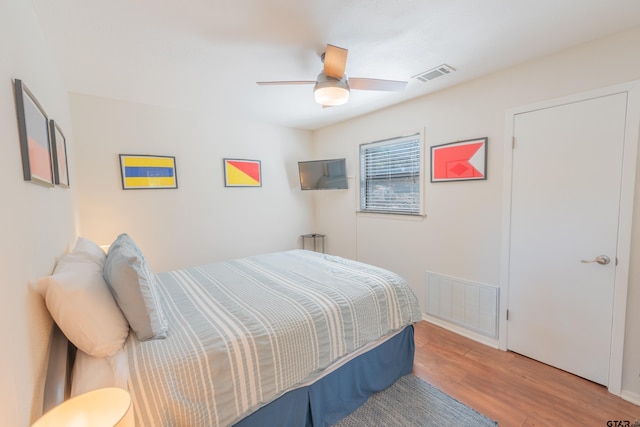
{"x":331,"y":92}
{"x":104,"y":407}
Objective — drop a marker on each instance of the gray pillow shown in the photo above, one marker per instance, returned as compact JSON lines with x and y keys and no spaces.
{"x":135,"y":289}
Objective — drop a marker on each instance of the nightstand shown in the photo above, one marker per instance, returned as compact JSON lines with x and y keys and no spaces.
{"x":316,"y":237}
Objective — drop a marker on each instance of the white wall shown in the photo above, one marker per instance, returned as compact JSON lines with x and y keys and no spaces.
{"x":201,"y":221}
{"x":37,"y":224}
{"x":461,"y":233}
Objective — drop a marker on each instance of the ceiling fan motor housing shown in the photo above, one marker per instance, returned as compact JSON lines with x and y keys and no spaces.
{"x":330,"y":91}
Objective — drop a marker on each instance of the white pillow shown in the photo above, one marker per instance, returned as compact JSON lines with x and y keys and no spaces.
{"x":81,"y":304}
{"x":87,"y":250}
{"x":135,"y":289}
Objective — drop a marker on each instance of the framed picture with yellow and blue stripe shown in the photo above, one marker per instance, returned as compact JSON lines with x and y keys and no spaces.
{"x":141,"y":172}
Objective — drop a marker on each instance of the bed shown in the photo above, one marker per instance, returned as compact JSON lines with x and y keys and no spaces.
{"x":293,"y":338}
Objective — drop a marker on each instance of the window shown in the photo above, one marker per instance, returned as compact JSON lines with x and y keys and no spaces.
{"x":390,"y":176}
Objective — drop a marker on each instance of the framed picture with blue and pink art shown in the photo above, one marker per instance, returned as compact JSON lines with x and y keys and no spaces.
{"x":33,"y":132}
{"x":242,"y":173}
{"x":142,"y":172}
{"x":459,"y":161}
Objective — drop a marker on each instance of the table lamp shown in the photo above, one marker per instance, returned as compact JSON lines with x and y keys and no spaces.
{"x":104,"y":407}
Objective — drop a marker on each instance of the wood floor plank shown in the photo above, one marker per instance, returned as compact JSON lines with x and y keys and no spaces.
{"x":510,"y":388}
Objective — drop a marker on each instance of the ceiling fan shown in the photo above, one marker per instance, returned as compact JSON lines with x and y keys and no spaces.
{"x":332,"y":86}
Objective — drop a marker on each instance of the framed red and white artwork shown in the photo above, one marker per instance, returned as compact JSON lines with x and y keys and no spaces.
{"x":459,"y":161}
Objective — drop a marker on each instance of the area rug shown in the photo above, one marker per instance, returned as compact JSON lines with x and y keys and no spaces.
{"x":411,"y":402}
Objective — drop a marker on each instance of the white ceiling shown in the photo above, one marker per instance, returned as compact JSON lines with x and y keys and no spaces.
{"x":207,"y":54}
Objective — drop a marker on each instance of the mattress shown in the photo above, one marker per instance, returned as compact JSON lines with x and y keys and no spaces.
{"x":244,"y":332}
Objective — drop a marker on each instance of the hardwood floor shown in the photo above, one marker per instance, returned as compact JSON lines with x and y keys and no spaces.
{"x":512,"y":389}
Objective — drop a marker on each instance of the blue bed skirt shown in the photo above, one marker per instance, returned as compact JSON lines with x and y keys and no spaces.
{"x":336,"y":395}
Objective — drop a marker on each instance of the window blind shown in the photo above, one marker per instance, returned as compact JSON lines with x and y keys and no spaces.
{"x":390,"y":176}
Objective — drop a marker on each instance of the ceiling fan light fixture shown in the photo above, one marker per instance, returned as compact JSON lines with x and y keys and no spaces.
{"x":331,"y":96}
{"x":331,"y":92}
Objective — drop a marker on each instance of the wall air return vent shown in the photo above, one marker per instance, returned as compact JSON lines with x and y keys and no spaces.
{"x":433,"y":73}
{"x":472,"y":305}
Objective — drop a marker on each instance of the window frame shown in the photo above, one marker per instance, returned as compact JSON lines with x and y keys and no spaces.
{"x":418,"y":135}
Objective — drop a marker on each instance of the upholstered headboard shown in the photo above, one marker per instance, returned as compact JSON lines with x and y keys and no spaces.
{"x":57,"y":386}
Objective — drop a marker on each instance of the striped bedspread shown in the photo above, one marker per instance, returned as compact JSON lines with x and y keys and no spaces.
{"x":243,"y":332}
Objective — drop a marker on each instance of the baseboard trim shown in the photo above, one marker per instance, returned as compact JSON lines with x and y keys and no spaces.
{"x":630,"y":396}
{"x":491,"y":342}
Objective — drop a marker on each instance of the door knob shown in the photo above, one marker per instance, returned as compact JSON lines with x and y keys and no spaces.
{"x":600,"y":259}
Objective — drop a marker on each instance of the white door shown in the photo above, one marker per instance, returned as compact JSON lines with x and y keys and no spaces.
{"x":567,"y":163}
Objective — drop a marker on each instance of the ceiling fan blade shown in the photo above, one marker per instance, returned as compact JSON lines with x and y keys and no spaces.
{"x":287,"y":82}
{"x":335,"y":61}
{"x":376,"y":84}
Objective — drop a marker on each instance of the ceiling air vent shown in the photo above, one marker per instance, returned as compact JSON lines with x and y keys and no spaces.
{"x":440,"y":70}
